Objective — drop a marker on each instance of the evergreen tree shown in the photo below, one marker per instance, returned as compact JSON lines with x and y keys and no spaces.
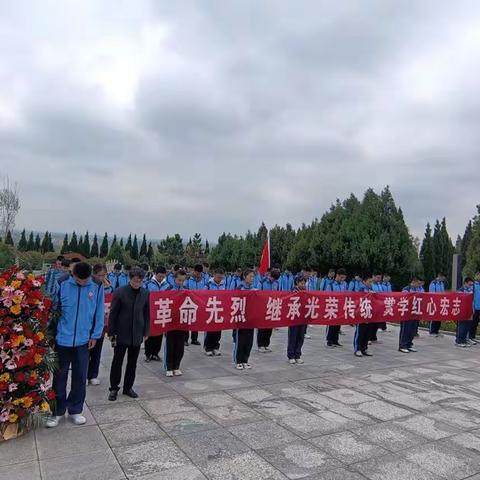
{"x":427,"y":256}
{"x":51,"y":248}
{"x":473,"y":251}
{"x":207,"y":247}
{"x":22,"y":243}
{"x":80,"y":245}
{"x":86,"y":245}
{"x":104,"y":246}
{"x":94,"y":252}
{"x":45,"y":245}
{"x":114,"y":241}
{"x":73,"y":245}
{"x":37,"y":245}
{"x":150,"y":252}
{"x":65,"y":245}
{"x":30,"y":243}
{"x":467,"y":237}
{"x":121,"y":243}
{"x":143,"y":247}
{"x":128,"y":245}
{"x":134,"y":249}
{"x":9,"y":239}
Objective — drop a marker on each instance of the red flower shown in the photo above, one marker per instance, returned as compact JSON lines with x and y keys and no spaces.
{"x":46,"y":376}
{"x":21,"y":413}
{"x":32,"y":382}
{"x":19,"y":377}
{"x":3,"y":386}
{"x":51,"y":395}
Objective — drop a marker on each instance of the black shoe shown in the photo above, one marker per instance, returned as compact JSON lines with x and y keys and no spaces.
{"x":366,"y":354}
{"x":337,"y":345}
{"x":186,"y":344}
{"x":148,"y":359}
{"x":195,"y":342}
{"x":329,"y":344}
{"x":131,"y":393}
{"x":112,"y":396}
{"x":155,"y":358}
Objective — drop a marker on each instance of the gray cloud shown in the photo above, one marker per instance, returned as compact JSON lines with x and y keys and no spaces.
{"x":177,"y":116}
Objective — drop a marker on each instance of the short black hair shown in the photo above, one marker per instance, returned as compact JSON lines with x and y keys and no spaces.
{"x":176,"y":268}
{"x":60,"y":258}
{"x":198,"y":268}
{"x":331,"y":270}
{"x":160,"y":269}
{"x":468,"y":280}
{"x":136,"y":272}
{"x":98,"y":267}
{"x":82,"y":270}
{"x":376,"y":273}
{"x":219,"y":271}
{"x":341,"y":271}
{"x":206,"y":264}
{"x":117,"y":266}
{"x":180,"y":273}
{"x":300,"y":278}
{"x":247,"y":271}
{"x":239,"y":271}
{"x":66,"y":262}
{"x":275,"y":274}
{"x":76,"y":260}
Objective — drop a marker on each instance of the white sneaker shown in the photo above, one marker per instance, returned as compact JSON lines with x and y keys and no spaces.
{"x":299,"y":361}
{"x":169,"y":373}
{"x":177,"y":373}
{"x":53,"y":421}
{"x":239,"y":366}
{"x":461,"y":345}
{"x":94,"y":381}
{"x":292,"y":361}
{"x":78,"y":419}
{"x":307,"y":336}
{"x":358,"y":353}
{"x":216,"y":353}
{"x":209,"y":354}
{"x":411,"y":349}
{"x":470,"y":341}
{"x":404,"y":350}
{"x":267,"y":349}
{"x":247,"y":366}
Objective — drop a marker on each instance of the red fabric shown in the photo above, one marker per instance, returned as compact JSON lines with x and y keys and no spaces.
{"x":264,"y":259}
{"x":204,"y":310}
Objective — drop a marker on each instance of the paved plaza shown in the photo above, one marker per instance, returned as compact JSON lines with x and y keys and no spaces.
{"x":393,"y":416}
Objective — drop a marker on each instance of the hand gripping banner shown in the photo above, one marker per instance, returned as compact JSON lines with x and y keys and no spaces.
{"x":204,"y":310}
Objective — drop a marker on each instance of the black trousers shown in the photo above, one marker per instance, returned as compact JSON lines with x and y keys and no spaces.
{"x":243,"y":345}
{"x":296,"y":336}
{"x":174,"y":349}
{"x":94,"y":359}
{"x":382,"y":325}
{"x":434,"y":327}
{"x":116,"y":369}
{"x":373,"y":331}
{"x":474,"y":325}
{"x":153,"y":345}
{"x":212,"y":341}
{"x":263,"y":337}
{"x":407,"y":333}
{"x":193,"y":336}
{"x":332,"y":334}
{"x":361,"y":337}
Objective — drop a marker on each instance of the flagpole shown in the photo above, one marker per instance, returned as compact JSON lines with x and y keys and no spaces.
{"x":269,"y":253}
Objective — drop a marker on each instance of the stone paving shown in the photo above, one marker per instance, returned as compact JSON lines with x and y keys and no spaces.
{"x":337,"y":417}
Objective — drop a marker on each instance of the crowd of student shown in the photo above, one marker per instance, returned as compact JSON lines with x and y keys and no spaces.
{"x":78,"y":323}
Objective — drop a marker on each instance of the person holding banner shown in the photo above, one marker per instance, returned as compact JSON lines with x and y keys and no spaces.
{"x":409,"y":327}
{"x":464,"y":327}
{"x":243,"y":337}
{"x":296,"y":333}
{"x":338,"y":285}
{"x":265,"y":334}
{"x":476,"y":309}
{"x":327,"y":281}
{"x":362,"y":330}
{"x":436,"y":286}
{"x":196,"y":281}
{"x":211,"y":343}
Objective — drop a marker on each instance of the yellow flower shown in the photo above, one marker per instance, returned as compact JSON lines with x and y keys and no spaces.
{"x":44,"y":407}
{"x":37,"y":358}
{"x":21,"y":338}
{"x":15,"y":284}
{"x":17,"y":299}
{"x":27,"y":401}
{"x":17,"y":401}
{"x":15,"y":341}
{"x":5,"y":377}
{"x":34,"y":375}
{"x":40,"y":336}
{"x":12,"y":418}
{"x":31,"y":276}
{"x":16,"y":309}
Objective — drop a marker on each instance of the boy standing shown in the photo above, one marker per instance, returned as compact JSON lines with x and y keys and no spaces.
{"x":211,"y":342}
{"x":436,"y":286}
{"x":464,"y":327}
{"x":409,"y":327}
{"x":265,"y":334}
{"x":296,"y":334}
{"x":338,"y":285}
{"x":362,"y":330}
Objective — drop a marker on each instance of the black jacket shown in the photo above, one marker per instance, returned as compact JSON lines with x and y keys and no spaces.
{"x":129,"y":318}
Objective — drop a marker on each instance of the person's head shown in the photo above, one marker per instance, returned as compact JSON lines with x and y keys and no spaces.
{"x":179,"y":276}
{"x":357,"y":277}
{"x":238,"y":272}
{"x":206,"y":267}
{"x":82,"y":272}
{"x":117,"y":268}
{"x":160,"y":274}
{"x":197,"y":271}
{"x":301,"y":282}
{"x":58,"y":262}
{"x":99,"y":272}
{"x":218,"y":275}
{"x":176,"y":268}
{"x":127,"y":269}
{"x":468,"y":282}
{"x":65,"y":265}
{"x":331,"y":273}
{"x":144,"y":266}
{"x":275,"y":274}
{"x":377,"y":277}
{"x":136,"y":276}
{"x":248,"y":276}
{"x":73,"y":262}
{"x":441,"y":277}
{"x":421,"y":282}
{"x":386,"y":278}
{"x":368,"y":280}
{"x":306,"y":272}
{"x":341,"y":275}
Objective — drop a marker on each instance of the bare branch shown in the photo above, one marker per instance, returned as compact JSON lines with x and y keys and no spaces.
{"x":9,"y":206}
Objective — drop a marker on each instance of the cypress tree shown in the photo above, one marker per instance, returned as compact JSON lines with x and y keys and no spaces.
{"x":30,"y":243}
{"x":86,"y":245}
{"x":80,"y":245}
{"x":104,"y":246}
{"x":150,"y":252}
{"x":134,"y":249}
{"x":37,"y":245}
{"x":427,"y":255}
{"x":114,"y":241}
{"x":65,"y":245}
{"x":22,"y":243}
{"x":473,"y":252}
{"x":143,"y":247}
{"x":9,"y":239}
{"x":73,"y":245}
{"x":94,"y":250}
{"x":207,"y":247}
{"x":51,"y":248}
{"x":44,"y":247}
{"x":128,"y":245}
{"x":121,"y":243}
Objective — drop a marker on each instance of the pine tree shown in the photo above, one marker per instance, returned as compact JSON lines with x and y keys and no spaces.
{"x":51,"y":248}
{"x":473,"y":252}
{"x":143,"y":247}
{"x":207,"y":247}
{"x":73,"y":245}
{"x":9,"y":239}
{"x":150,"y":252}
{"x":121,"y":243}
{"x":65,"y":245}
{"x":45,"y":245}
{"x":30,"y":243}
{"x":80,"y":245}
{"x":94,"y":250}
{"x":128,"y":245}
{"x":427,"y":256}
{"x":104,"y":246}
{"x":134,"y":249}
{"x":86,"y":245}
{"x":22,"y":243}
{"x":467,"y":237}
{"x":114,"y":241}
{"x":37,"y":245}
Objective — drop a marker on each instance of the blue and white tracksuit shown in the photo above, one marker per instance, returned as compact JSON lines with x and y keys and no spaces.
{"x":242,"y":338}
{"x":408,"y":328}
{"x":211,"y":341}
{"x":265,"y":334}
{"x":333,"y":331}
{"x":436,"y":286}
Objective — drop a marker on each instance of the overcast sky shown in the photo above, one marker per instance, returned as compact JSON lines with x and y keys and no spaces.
{"x":165,"y":117}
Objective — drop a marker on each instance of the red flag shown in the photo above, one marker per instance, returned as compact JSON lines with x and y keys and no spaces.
{"x":265,"y":258}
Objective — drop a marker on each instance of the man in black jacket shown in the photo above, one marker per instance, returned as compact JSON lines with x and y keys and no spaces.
{"x":129,"y":325}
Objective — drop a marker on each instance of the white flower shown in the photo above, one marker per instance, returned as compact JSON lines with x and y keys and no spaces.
{"x":12,"y":387}
{"x":11,"y":365}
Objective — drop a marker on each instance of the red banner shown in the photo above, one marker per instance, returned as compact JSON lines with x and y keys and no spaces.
{"x":206,"y":310}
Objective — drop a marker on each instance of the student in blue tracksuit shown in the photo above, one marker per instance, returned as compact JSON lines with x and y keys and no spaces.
{"x":243,"y":337}
{"x":153,"y":344}
{"x":258,"y":279}
{"x":296,"y":333}
{"x":464,"y":327}
{"x":312,"y":281}
{"x":286,"y":281}
{"x":53,"y":275}
{"x":327,"y":281}
{"x":272,"y":282}
{"x":171,"y":275}
{"x":79,"y":303}
{"x":362,"y":330}
{"x":196,"y":281}
{"x":211,"y":342}
{"x":476,"y":308}
{"x":117,"y":278}
{"x":234,"y":281}
{"x":206,"y":272}
{"x":409,"y":327}
{"x":377,"y":287}
{"x":436,"y":286}
{"x":338,"y":285}
{"x":356,"y":284}
{"x":386,"y":283}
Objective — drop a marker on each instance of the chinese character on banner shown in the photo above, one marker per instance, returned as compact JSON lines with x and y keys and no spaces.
{"x":417,"y":306}
{"x":444,"y":306}
{"x":349,"y":308}
{"x":403,"y":306}
{"x":237,"y":311}
{"x":293,"y":308}
{"x":388,"y":303}
{"x":164,"y":312}
{"x":431,"y":307}
{"x":274,"y":309}
{"x":456,"y":307}
{"x":312,"y":307}
{"x":188,"y":311}
{"x":366,"y":309}
{"x":331,"y":308}
{"x":214,"y":308}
